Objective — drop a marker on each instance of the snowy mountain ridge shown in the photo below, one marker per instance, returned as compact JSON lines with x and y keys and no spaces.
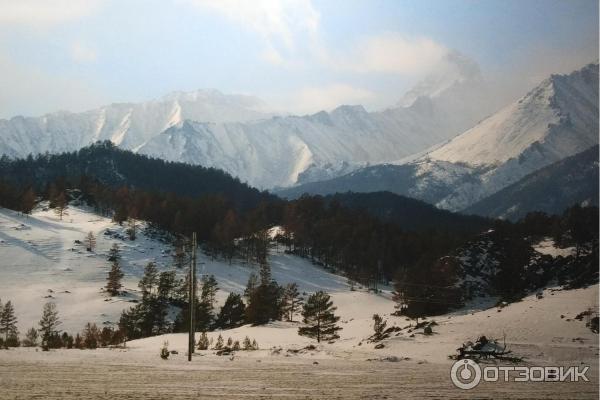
{"x":239,"y":135}
{"x":556,"y":120}
{"x":128,"y":125}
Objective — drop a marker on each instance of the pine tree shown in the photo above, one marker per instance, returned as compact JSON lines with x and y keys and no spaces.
{"x":264,"y":303}
{"x":219,"y":344}
{"x":91,"y":334}
{"x":114,"y":254}
{"x":90,"y":241}
{"x":49,"y":324}
{"x":132,"y":228}
{"x":149,"y":281}
{"x":292,"y":300}
{"x":251,"y":285}
{"x":78,"y":342}
{"x":378,"y":327}
{"x":229,"y":342}
{"x":28,"y":201}
{"x":232,"y":312}
{"x":205,"y":314}
{"x":203,"y":342}
{"x":179,"y":256}
{"x":31,"y":338}
{"x":254,"y":344}
{"x":247,"y":344}
{"x":164,"y":292}
{"x":318,"y":313}
{"x":145,"y":315}
{"x":113,"y":281}
{"x":61,"y":205}
{"x":8,"y":321}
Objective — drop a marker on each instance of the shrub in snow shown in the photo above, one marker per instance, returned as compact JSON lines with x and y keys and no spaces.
{"x":219,"y":344}
{"x":164,"y":351}
{"x":203,"y":342}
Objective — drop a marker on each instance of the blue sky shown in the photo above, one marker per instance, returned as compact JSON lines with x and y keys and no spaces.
{"x":298,"y":55}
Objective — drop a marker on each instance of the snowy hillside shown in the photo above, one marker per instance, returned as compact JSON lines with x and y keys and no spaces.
{"x":42,"y":262}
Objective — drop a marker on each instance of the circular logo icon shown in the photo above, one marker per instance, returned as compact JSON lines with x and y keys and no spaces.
{"x":465,"y":374}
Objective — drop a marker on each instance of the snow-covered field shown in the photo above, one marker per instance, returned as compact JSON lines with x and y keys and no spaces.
{"x":40,"y":262}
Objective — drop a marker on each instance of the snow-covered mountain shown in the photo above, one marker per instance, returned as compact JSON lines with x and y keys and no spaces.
{"x":234,"y":133}
{"x":128,"y":125}
{"x":283,"y":151}
{"x":557,"y":119}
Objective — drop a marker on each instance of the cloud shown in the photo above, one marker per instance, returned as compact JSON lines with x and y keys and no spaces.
{"x":280,"y":23}
{"x":388,"y":53}
{"x":313,"y":99}
{"x":31,"y":89}
{"x":82,"y":53}
{"x":44,"y":12}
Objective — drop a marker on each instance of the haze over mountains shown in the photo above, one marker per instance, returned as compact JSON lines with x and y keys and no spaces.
{"x":235,"y":133}
{"x":435,"y":145}
{"x":555,"y":120}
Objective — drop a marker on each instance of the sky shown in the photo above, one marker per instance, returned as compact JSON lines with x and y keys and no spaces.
{"x":298,"y":55}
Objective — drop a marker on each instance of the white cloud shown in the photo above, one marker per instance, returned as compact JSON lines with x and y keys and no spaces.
{"x":388,"y":53}
{"x":279,"y":22}
{"x":313,"y":99}
{"x":82,"y":52}
{"x":44,"y":12}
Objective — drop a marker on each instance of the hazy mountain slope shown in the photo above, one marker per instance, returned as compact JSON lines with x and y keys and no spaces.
{"x":557,"y":114}
{"x":552,"y":189}
{"x":299,"y":149}
{"x":232,"y":133}
{"x":557,"y":119}
{"x":126,"y":124}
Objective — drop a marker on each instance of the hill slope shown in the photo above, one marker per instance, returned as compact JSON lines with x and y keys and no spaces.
{"x":42,"y":249}
{"x":115,"y":167}
{"x":552,"y":189}
{"x":408,"y":213}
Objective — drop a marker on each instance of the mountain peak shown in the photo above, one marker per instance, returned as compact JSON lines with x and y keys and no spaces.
{"x":454,"y":69}
{"x":560,"y":114}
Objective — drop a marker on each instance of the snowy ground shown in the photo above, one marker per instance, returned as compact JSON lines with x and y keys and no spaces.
{"x":36,"y":255}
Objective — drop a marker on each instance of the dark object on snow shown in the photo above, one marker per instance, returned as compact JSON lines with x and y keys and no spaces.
{"x":164,"y":352}
{"x":484,"y":348}
{"x":593,"y":324}
{"x":379,"y":346}
{"x":480,"y":343}
{"x":428,"y":330}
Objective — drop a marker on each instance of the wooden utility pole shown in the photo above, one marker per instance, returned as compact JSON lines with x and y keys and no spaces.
{"x":191,"y":298}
